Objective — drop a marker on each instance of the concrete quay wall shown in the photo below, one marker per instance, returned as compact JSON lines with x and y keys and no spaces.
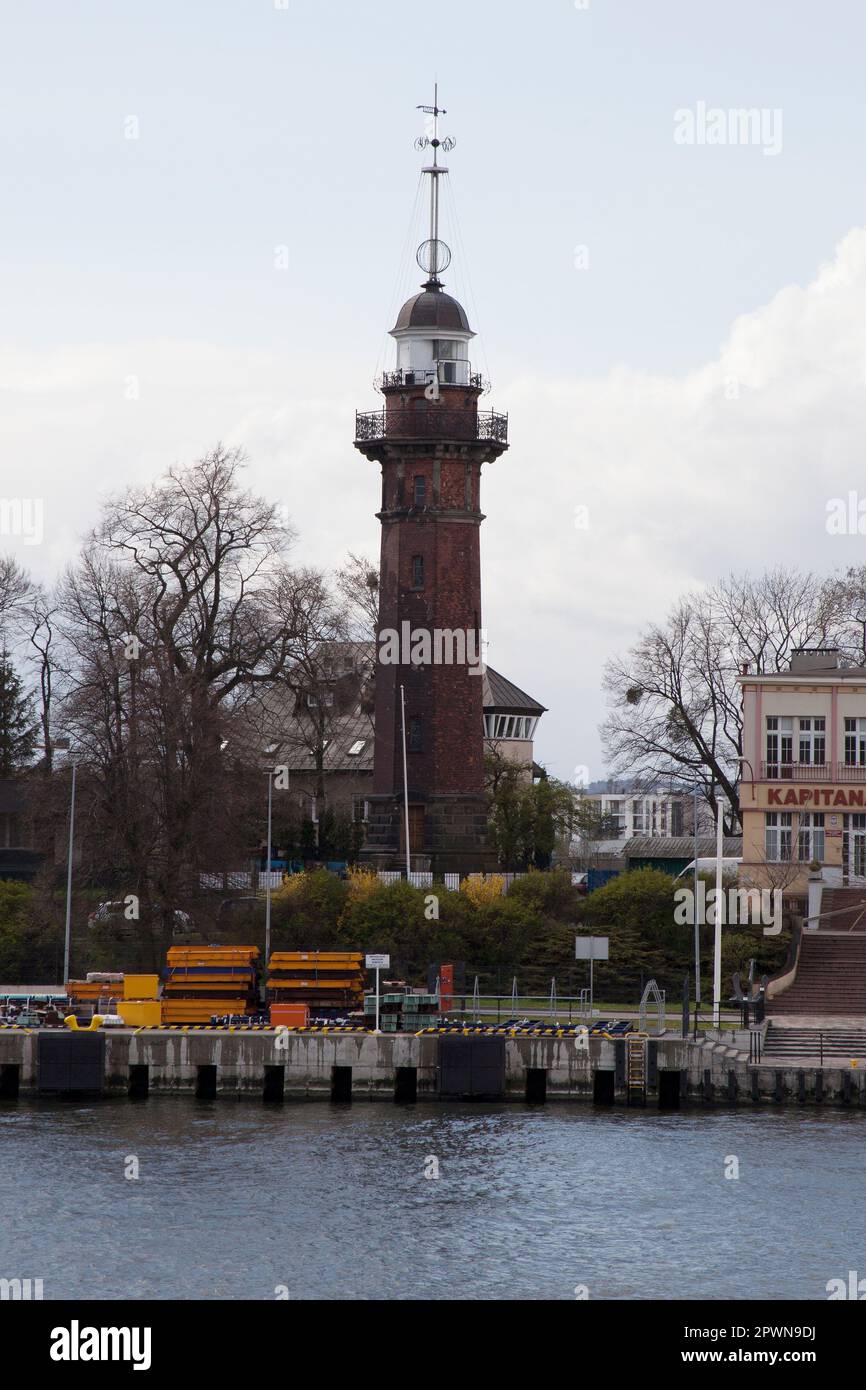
{"x":264,"y":1064}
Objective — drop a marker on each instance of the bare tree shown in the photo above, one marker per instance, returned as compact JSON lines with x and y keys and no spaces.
{"x":15,"y":587}
{"x":181,"y":607}
{"x":39,"y":623}
{"x":674,"y":698}
{"x":358,"y":586}
{"x":776,"y":874}
{"x":321,"y":680}
{"x":213,"y":555}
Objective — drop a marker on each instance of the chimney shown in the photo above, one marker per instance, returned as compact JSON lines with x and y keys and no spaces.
{"x":814,"y":659}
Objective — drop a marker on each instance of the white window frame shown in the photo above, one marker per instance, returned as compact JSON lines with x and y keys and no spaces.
{"x":779,"y":743}
{"x":855,"y":742}
{"x":812,"y":737}
{"x":811,"y":837}
{"x":778,"y":833}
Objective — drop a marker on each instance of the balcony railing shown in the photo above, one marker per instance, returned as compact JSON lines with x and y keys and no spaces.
{"x":797,"y":772}
{"x":431,"y":422}
{"x":422,"y":376}
{"x":813,"y":772}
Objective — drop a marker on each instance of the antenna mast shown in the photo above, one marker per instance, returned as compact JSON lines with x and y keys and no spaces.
{"x":433,"y":255}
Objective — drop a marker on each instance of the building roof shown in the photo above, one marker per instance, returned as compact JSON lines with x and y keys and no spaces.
{"x":808,"y":664}
{"x":680,"y":847}
{"x":344,"y":732}
{"x":611,"y":847}
{"x":285,"y":734}
{"x":432,"y":309}
{"x":289,"y":737}
{"x":500,"y":694}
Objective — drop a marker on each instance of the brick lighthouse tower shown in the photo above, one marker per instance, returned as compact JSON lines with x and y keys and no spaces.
{"x":431,"y":441}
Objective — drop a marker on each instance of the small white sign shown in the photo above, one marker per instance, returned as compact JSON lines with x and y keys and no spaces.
{"x":378,"y":962}
{"x":591,"y":948}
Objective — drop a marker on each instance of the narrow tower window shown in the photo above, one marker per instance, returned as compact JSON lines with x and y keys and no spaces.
{"x":417,"y":571}
{"x":420,"y":492}
{"x":416,"y":736}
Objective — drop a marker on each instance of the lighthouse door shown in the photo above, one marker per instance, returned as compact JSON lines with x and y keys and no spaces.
{"x":416,"y":831}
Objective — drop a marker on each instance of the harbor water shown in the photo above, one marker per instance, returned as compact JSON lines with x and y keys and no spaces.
{"x":179,"y":1199}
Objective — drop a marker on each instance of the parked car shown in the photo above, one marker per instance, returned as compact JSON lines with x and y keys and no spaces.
{"x":230,"y":908}
{"x":730,"y":867}
{"x":116,"y":912}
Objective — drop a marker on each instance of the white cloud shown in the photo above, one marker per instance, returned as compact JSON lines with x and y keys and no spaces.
{"x":729,"y":466}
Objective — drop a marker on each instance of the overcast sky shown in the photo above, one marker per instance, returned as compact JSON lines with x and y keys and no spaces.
{"x":676,"y":326}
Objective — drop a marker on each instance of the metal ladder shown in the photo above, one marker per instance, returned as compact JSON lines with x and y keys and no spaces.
{"x":636,"y":1070}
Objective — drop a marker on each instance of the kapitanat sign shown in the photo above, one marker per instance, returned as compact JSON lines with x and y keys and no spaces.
{"x":816,"y":796}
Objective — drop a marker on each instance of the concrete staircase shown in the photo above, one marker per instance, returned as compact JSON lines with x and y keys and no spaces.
{"x":848,"y":909}
{"x":793,"y":1044}
{"x":830,"y":978}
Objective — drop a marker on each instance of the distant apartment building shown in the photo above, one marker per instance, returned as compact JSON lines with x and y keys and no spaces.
{"x":629,"y":812}
{"x":803,"y":784}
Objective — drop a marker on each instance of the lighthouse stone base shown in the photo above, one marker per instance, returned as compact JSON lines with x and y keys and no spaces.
{"x":454,"y":838}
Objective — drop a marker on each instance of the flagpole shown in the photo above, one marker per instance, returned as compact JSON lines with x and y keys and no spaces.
{"x":405,"y":784}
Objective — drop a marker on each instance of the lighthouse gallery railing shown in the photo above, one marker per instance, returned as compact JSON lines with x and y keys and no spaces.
{"x":431,"y":423}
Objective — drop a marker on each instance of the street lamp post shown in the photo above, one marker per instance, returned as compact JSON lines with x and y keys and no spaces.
{"x":67,"y":941}
{"x":695,"y":911}
{"x":268,"y":870}
{"x":405,"y":787}
{"x":717,"y":944}
{"x":742,"y":760}
{"x":64,"y":745}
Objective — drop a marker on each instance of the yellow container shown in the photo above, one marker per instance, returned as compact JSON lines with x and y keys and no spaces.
{"x":140,"y":986}
{"x":141,"y":1013}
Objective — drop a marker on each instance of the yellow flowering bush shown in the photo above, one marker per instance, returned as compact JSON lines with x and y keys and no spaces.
{"x":362,"y":882}
{"x":481,"y":891}
{"x":292,"y":886}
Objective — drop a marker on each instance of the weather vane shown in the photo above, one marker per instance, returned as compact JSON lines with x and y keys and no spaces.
{"x":433,"y":256}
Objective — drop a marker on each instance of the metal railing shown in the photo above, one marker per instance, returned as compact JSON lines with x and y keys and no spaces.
{"x":431,"y":422}
{"x":813,"y":772}
{"x":452,"y":881}
{"x":422,"y":376}
{"x":797,"y":772}
{"x":473,"y":1004}
{"x":565,"y":1009}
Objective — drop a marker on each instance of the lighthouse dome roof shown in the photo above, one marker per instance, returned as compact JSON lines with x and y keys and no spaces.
{"x":432,"y":309}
